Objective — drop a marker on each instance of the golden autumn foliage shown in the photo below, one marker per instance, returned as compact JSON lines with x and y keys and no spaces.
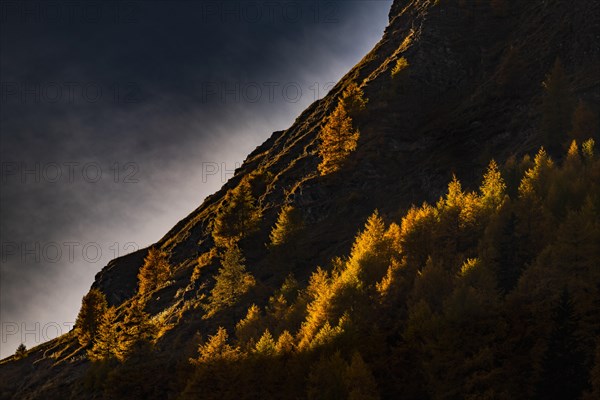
{"x":464,"y":298}
{"x":289,"y":223}
{"x":106,"y":342}
{"x":237,"y":216}
{"x":155,"y":272}
{"x":337,"y":139}
{"x":93,"y":307}
{"x":232,"y":281}
{"x":354,"y":101}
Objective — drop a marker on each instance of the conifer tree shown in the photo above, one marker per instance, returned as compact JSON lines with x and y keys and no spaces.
{"x":137,"y":334}
{"x":337,"y":140}
{"x":21,"y":351}
{"x":563,"y":374}
{"x":218,"y":371}
{"x":93,"y":306}
{"x":399,"y":68}
{"x":106,"y":341}
{"x":266,"y":345}
{"x":354,"y":101}
{"x":360,"y":383}
{"x":400,"y":75}
{"x":155,"y":271}
{"x":536,"y":180}
{"x":493,"y":188}
{"x":217,"y":348}
{"x":371,"y":251}
{"x":585,"y":123}
{"x":289,"y":222}
{"x":557,"y":109}
{"x":508,"y":264}
{"x":326,"y":380}
{"x":237,"y":216}
{"x":232,"y":280}
{"x":248,"y":330}
{"x":285,"y":343}
{"x":594,"y":392}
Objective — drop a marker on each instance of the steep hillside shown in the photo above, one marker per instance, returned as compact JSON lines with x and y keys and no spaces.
{"x":451,"y":85}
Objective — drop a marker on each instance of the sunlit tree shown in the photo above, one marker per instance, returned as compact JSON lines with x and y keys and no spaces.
{"x":138,"y":332}
{"x":156,"y":270}
{"x":106,"y":341}
{"x":232,"y":281}
{"x":93,"y":307}
{"x":237,"y":216}
{"x":289,"y":223}
{"x":21,"y":351}
{"x":338,"y":139}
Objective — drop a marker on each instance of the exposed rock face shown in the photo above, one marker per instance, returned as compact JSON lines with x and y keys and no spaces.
{"x":472,"y":89}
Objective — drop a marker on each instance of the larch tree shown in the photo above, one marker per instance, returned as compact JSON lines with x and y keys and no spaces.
{"x":249,"y":329}
{"x":337,"y":139}
{"x":563,"y":372}
{"x":354,"y":101}
{"x":285,"y":343}
{"x":106,"y":341}
{"x":326,"y":379}
{"x":400,"y":68}
{"x":137,"y":333}
{"x":155,"y":271}
{"x":237,"y":216}
{"x":585,"y":123}
{"x":594,"y":392}
{"x":371,"y":252}
{"x":232,"y":280}
{"x":217,"y":348}
{"x":360,"y":383}
{"x":266,"y":345}
{"x":493,"y":188}
{"x":93,"y":306}
{"x":557,"y":108}
{"x":21,"y":351}
{"x":289,"y":222}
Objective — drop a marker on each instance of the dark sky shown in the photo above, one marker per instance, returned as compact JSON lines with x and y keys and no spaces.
{"x":118,"y":118}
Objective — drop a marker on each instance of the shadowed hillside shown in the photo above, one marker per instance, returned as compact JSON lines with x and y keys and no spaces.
{"x":287,"y":283}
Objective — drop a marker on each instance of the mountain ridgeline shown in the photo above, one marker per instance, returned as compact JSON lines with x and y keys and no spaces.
{"x":428,"y":230}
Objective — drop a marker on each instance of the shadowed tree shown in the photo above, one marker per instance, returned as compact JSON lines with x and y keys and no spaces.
{"x":563,"y":374}
{"x":585,"y":123}
{"x":557,"y":108}
{"x":359,"y":380}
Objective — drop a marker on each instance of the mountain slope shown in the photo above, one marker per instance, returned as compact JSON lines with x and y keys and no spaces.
{"x":471,"y":91}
